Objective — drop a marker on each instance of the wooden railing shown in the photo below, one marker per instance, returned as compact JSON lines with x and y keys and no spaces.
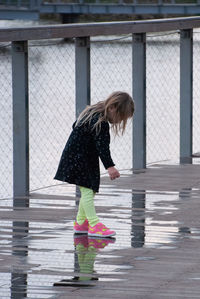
{"x":82,"y":33}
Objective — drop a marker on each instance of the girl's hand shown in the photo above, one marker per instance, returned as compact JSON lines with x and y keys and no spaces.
{"x":113,"y":173}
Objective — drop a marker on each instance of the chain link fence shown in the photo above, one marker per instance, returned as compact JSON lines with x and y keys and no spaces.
{"x":52,"y":107}
{"x":6,"y":147}
{"x":52,"y":100}
{"x":163,"y":96}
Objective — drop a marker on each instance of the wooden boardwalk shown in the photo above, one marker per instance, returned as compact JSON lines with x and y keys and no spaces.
{"x":155,"y":254}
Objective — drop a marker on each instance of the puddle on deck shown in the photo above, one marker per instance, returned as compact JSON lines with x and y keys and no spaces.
{"x":38,"y":258}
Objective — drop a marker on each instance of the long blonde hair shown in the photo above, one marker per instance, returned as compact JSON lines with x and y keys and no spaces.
{"x":124,"y":109}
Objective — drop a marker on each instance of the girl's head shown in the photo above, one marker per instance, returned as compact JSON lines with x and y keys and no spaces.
{"x":116,"y":109}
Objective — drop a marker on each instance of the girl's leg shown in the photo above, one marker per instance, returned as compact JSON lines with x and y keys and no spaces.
{"x":86,"y":207}
{"x":81,"y":217}
{"x":87,"y":210}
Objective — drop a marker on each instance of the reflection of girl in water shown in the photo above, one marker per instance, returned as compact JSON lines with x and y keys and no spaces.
{"x":86,"y":249}
{"x":79,"y":162}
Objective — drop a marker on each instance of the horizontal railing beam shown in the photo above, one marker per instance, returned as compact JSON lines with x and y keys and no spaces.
{"x":138,"y":2}
{"x":120,"y":8}
{"x":94,"y":29}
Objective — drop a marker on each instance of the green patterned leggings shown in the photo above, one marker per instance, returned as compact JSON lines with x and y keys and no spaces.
{"x":86,"y":208}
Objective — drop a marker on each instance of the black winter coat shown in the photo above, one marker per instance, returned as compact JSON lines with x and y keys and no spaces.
{"x":79,"y":163}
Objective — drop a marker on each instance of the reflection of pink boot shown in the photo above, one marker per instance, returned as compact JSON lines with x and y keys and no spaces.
{"x":81,"y":228}
{"x":81,"y":240}
{"x":100,"y":243}
{"x":100,"y":230}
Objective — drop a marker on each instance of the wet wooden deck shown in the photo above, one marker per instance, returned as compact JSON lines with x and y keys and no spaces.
{"x":155,"y":254}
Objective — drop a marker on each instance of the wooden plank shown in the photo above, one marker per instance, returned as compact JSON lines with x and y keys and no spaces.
{"x":155,"y":255}
{"x":94,"y":29}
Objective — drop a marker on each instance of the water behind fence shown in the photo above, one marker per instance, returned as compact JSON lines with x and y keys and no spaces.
{"x":52,"y":100}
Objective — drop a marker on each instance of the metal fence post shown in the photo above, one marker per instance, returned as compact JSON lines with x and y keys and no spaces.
{"x":186,"y":94}
{"x":20,"y":120}
{"x":138,"y":219}
{"x":139,"y":96}
{"x":82,"y":69}
{"x":82,"y":76}
{"x":20,"y":241}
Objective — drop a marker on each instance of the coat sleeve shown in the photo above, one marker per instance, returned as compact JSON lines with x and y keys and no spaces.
{"x":102,"y":142}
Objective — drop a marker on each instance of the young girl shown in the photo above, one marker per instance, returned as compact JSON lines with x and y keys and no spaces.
{"x":79,"y":163}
